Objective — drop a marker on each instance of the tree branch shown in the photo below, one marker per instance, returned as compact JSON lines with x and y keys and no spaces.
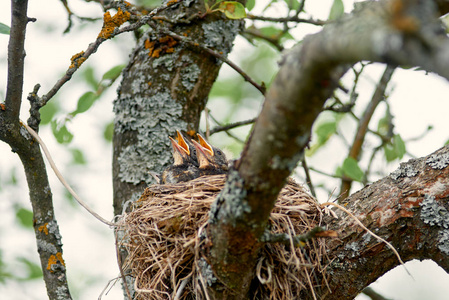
{"x":408,"y":208}
{"x":16,"y":57}
{"x":362,"y":128}
{"x":308,"y":75}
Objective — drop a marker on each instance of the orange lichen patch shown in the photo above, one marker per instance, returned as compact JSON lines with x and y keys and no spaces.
{"x":161,"y":46}
{"x":110,"y":23}
{"x":400,"y":20}
{"x":54,"y":260}
{"x":171,"y":2}
{"x":43,"y":228}
{"x":2,"y":106}
{"x":191,"y":133}
{"x":77,"y":60}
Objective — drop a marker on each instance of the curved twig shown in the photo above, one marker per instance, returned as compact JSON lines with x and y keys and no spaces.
{"x":61,"y":178}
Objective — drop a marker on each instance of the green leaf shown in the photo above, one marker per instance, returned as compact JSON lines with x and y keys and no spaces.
{"x":89,"y":76}
{"x":399,"y":146}
{"x":390,"y":153}
{"x":4,"y":29}
{"x":383,"y":126}
{"x":323,"y":131}
{"x":232,"y":9}
{"x":113,"y":73}
{"x":48,"y":112}
{"x":4,"y":274}
{"x":292,"y":4}
{"x":352,"y":170}
{"x":78,"y":157}
{"x":85,"y":102}
{"x":250,"y":4}
{"x":25,"y":217}
{"x":108,"y":132}
{"x":337,"y":10}
{"x":61,"y":133}
{"x":34,"y":270}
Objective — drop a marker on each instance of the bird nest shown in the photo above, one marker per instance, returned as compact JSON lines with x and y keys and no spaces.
{"x":164,"y":232}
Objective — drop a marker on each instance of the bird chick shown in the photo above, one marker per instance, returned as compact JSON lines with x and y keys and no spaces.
{"x":211,"y":160}
{"x":188,"y":147}
{"x":183,"y":168}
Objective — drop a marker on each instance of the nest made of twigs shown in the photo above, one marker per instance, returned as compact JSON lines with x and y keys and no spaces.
{"x":164,"y":231}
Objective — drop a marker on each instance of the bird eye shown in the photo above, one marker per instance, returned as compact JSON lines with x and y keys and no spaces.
{"x":219,"y":152}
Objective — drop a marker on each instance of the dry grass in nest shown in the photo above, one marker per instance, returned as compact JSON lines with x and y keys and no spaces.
{"x":164,"y":232}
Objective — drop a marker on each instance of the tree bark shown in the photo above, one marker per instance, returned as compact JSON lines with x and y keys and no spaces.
{"x":164,"y":88}
{"x":377,"y":31}
{"x":48,"y":238}
{"x":409,"y":208}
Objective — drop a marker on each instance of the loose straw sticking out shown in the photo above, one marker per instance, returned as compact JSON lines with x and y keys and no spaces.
{"x":369,"y":231}
{"x":61,"y":178}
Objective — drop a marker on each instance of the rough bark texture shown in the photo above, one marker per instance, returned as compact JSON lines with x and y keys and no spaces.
{"x":46,"y":229}
{"x":409,"y":208}
{"x":164,"y":88}
{"x":394,"y":32}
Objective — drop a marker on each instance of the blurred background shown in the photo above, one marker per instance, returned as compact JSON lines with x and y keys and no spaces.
{"x":79,"y":139}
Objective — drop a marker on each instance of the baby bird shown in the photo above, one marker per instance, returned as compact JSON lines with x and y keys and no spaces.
{"x":184,"y":167}
{"x":211,"y":160}
{"x":188,"y":147}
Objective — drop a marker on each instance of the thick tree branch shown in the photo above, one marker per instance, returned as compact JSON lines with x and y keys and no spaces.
{"x":408,"y":208}
{"x":308,"y":75}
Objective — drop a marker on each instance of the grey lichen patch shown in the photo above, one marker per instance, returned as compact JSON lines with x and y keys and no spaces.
{"x":166,"y":60}
{"x":153,"y":119}
{"x":46,"y":247}
{"x":443,"y":241}
{"x":354,"y":247}
{"x":207,"y":272}
{"x":230,"y":204}
{"x":286,"y":163}
{"x":62,"y":291}
{"x":53,"y":228}
{"x":404,"y":170}
{"x":434,"y":214}
{"x":189,"y":76}
{"x":438,"y":161}
{"x":220,"y":34}
{"x":24,"y":133}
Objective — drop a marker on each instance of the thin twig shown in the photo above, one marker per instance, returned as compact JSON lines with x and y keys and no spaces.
{"x":232,"y":125}
{"x":215,"y":54}
{"x":308,"y":178}
{"x":120,"y":266}
{"x":362,"y":129}
{"x":295,"y":19}
{"x":226,"y":131}
{"x":61,"y":178}
{"x":92,"y":48}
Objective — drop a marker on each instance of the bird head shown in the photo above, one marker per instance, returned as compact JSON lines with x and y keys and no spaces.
{"x":209,"y":156}
{"x":179,"y":153}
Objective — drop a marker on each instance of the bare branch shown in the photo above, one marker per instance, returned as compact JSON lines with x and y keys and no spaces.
{"x":16,"y":57}
{"x":232,"y":125}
